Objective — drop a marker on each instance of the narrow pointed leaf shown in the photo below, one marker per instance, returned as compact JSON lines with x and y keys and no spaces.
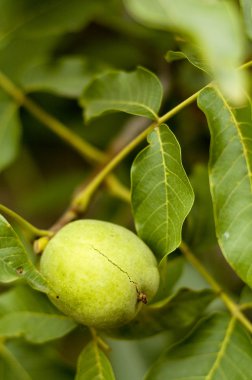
{"x":15,"y":260}
{"x":220,"y":348}
{"x":93,"y":364}
{"x":176,"y":314}
{"x":137,"y":93}
{"x":230,"y":172}
{"x":161,"y":193}
{"x":10,"y":131}
{"x":213,"y":26}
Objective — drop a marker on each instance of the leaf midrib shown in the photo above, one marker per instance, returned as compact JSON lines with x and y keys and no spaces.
{"x":98,"y":361}
{"x":130,"y":103}
{"x":166,"y":183}
{"x":224,"y":345}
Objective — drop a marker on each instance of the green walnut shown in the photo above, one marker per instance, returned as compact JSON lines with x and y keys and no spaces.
{"x":101,"y":273}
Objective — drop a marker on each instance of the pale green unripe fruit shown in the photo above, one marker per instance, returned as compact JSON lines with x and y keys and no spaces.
{"x":101,"y":273}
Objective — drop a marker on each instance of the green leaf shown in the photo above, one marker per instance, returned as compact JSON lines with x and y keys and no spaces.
{"x":170,"y":272}
{"x":230,"y":172}
{"x":246,"y":297}
{"x":24,"y":298}
{"x":172,"y":56}
{"x":219,"y":348}
{"x":38,"y":362}
{"x":26,"y":18}
{"x":161,"y":193}
{"x":6,"y":274}
{"x":35,"y":327}
{"x":10,"y":131}
{"x":29,"y":314}
{"x":189,"y":52}
{"x":247,"y":15}
{"x":213,"y":26}
{"x":93,"y":364}
{"x":10,"y":368}
{"x":200,"y":229}
{"x":30,"y":32}
{"x":176,"y":314}
{"x":66,"y":77}
{"x":15,"y":260}
{"x":27,"y":52}
{"x":137,"y":93}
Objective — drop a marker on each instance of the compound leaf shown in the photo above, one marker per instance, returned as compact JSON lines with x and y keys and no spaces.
{"x":161,"y":192}
{"x":93,"y":364}
{"x":230,"y":173}
{"x":137,"y":93}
